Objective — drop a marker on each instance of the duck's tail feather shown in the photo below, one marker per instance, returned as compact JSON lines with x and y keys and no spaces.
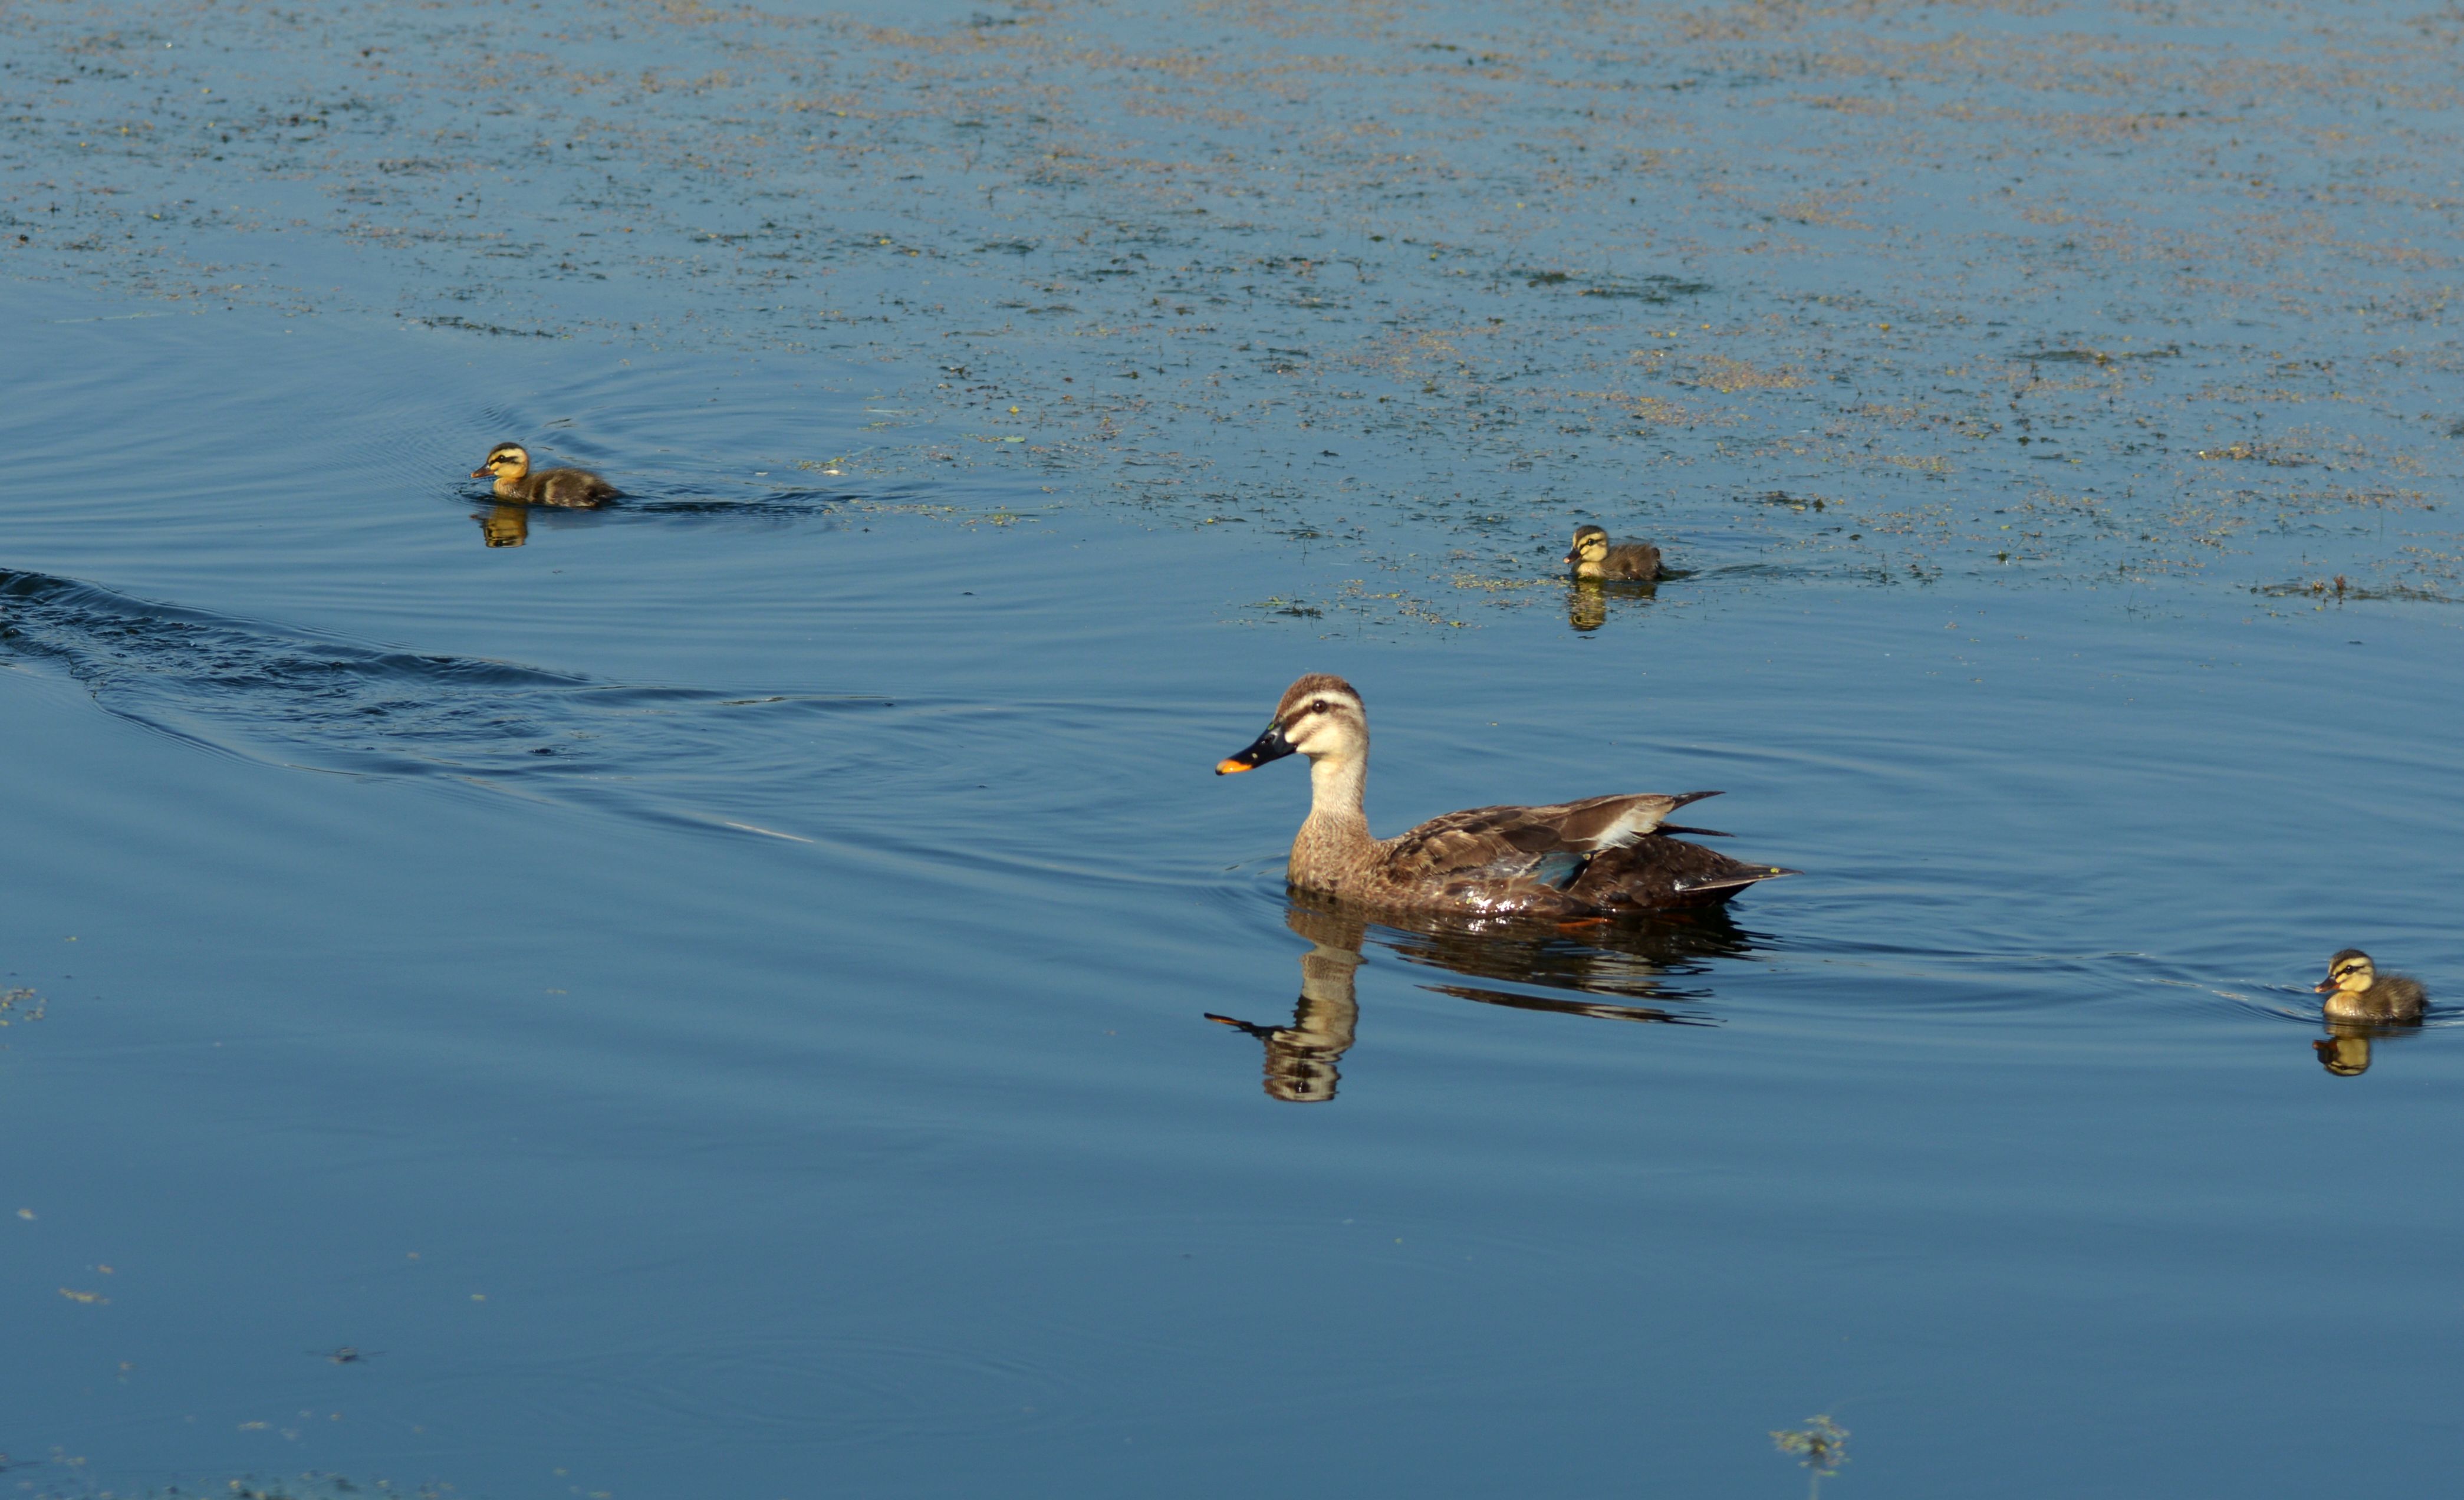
{"x":1734,"y":878}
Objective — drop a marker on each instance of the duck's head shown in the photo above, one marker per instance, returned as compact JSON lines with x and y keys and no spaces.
{"x":2349,"y":971}
{"x":505,"y":461}
{"x":1320,"y":717}
{"x":1591,"y":545}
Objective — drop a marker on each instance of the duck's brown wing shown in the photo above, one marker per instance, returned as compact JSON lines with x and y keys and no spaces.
{"x":1658,"y":873}
{"x":574,"y":486}
{"x":1550,"y":845}
{"x":1638,"y":561}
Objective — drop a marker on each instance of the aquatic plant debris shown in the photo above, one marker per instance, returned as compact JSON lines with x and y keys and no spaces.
{"x":2077,"y":292}
{"x":1820,"y":1446}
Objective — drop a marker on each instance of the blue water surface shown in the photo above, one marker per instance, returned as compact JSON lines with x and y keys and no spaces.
{"x":714,"y":1000}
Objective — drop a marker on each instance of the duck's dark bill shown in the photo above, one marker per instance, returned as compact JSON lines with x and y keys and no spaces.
{"x":478,"y":473}
{"x":1268,"y":746}
{"x":2326,"y":986}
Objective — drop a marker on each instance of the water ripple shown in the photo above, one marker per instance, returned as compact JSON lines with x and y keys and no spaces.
{"x":314,"y":701}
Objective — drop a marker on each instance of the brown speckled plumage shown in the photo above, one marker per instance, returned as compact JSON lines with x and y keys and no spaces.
{"x":570,"y":489}
{"x":1600,"y":857}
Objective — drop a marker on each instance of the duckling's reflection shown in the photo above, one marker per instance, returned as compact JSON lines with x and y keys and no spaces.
{"x":505,"y":525}
{"x":1587,"y":601}
{"x":2345,"y":1050}
{"x":1627,"y":960}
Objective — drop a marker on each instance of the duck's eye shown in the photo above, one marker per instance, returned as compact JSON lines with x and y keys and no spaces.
{"x":1318,"y":707}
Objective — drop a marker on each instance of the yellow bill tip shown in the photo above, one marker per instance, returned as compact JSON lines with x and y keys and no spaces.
{"x":1228,"y":767}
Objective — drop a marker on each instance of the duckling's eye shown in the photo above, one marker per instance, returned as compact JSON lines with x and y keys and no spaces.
{"x":1318,"y":707}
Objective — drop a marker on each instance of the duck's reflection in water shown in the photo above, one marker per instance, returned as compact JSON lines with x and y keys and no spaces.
{"x":2345,"y":1050}
{"x":1587,"y":601}
{"x":1630,"y":961}
{"x":1301,"y":1058}
{"x":504,"y":525}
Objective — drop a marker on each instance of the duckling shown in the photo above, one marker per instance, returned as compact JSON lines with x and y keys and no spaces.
{"x":1602,"y":856}
{"x":1593,"y":556}
{"x":2355,"y":991}
{"x":571,"y":488}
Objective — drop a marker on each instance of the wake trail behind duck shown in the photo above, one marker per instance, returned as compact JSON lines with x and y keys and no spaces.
{"x":308,"y":700}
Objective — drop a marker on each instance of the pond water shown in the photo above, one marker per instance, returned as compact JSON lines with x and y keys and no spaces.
{"x":726,"y":995}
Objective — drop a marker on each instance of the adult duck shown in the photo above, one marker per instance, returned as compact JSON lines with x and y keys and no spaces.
{"x":1602,"y":856}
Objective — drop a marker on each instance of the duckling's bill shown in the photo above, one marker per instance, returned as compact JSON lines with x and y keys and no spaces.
{"x":1268,"y":746}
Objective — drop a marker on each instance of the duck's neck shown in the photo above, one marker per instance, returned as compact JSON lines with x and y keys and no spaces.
{"x":1336,"y":837}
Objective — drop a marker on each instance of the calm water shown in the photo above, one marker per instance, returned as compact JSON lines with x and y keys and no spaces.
{"x":714,"y":1000}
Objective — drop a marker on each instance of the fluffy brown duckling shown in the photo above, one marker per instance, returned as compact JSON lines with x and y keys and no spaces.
{"x":510,"y":463}
{"x":1593,"y":556}
{"x":1600,"y":857}
{"x":2356,"y":991}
